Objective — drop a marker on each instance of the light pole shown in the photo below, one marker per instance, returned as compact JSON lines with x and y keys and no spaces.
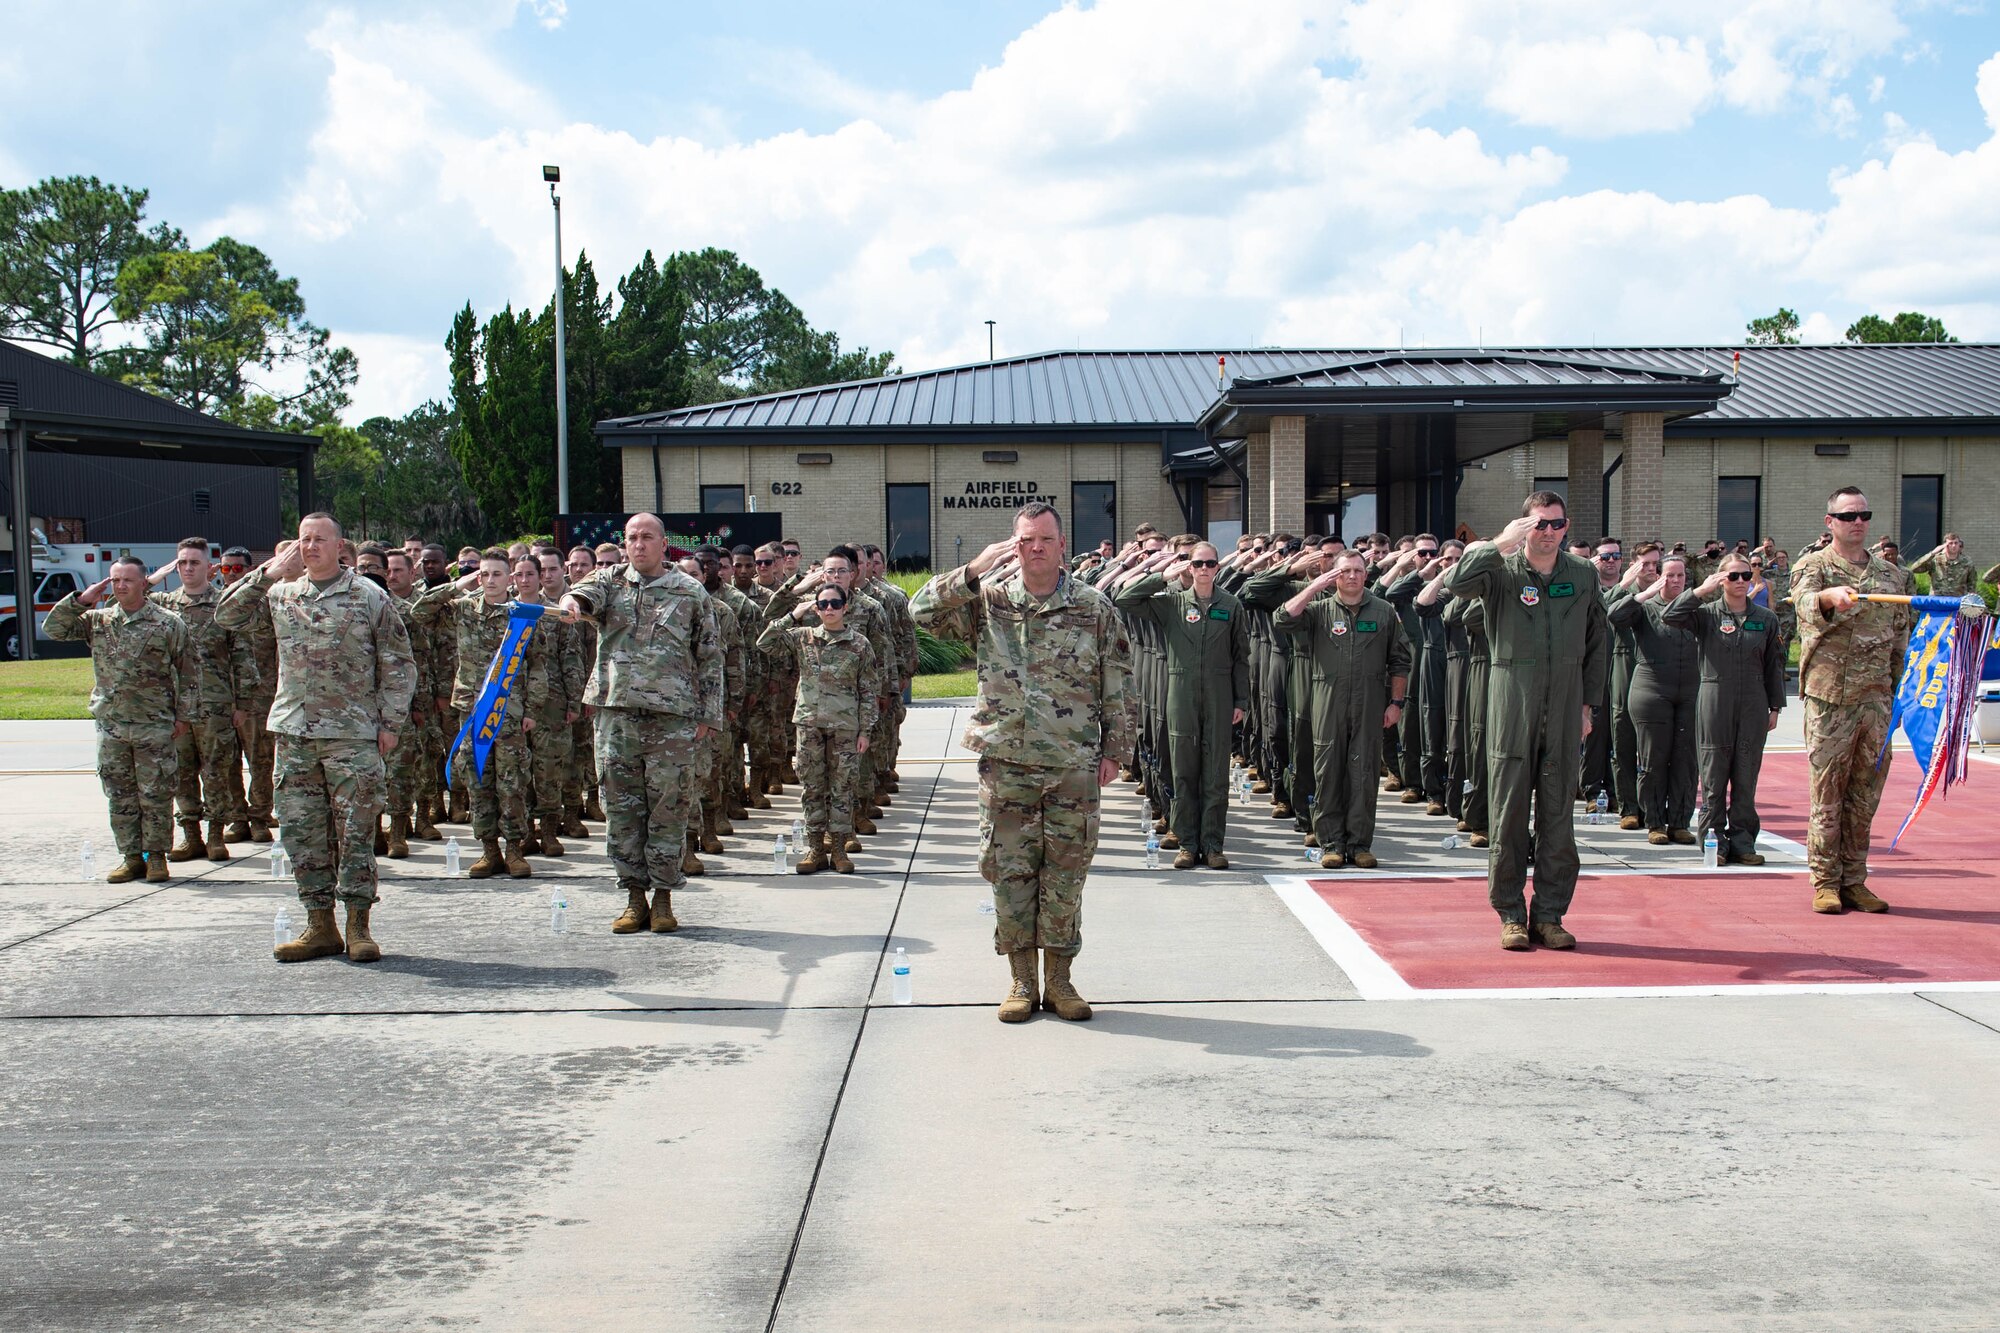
{"x":989,"y":340}
{"x":553,"y":175}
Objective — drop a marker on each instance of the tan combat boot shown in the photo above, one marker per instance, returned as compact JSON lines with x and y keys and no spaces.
{"x":1827,"y":900}
{"x":636,"y":916}
{"x":1186,"y":860}
{"x":531,"y":845}
{"x":572,"y":825}
{"x":691,"y":865}
{"x":190,"y":846}
{"x":215,"y":849}
{"x":1410,"y":796}
{"x":708,"y":842}
{"x":489,"y":862}
{"x":1171,"y":842}
{"x":863,"y":824}
{"x":550,"y":845}
{"x":664,"y":921}
{"x":841,"y":864}
{"x":131,"y":868}
{"x":723,"y":814}
{"x":457,"y":808}
{"x":361,"y":946}
{"x":1057,"y":992}
{"x":424,"y":829}
{"x":1019,"y":1006}
{"x":1217,"y":861}
{"x":238,"y":830}
{"x":1331,"y":860}
{"x":1861,"y":899}
{"x":318,"y":940}
{"x":259,"y":830}
{"x":1514,"y":936}
{"x":399,"y":837}
{"x":1551,"y":935}
{"x":1363,"y":859}
{"x":1479,"y":840}
{"x":760,"y":786}
{"x":517,"y":861}
{"x":381,"y":838}
{"x":852,"y":844}
{"x":591,"y":808}
{"x":813,"y":861}
{"x":156,"y":867}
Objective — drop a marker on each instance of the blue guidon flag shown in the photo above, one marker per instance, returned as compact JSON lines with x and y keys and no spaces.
{"x":1939,"y":692}
{"x":489,"y":710}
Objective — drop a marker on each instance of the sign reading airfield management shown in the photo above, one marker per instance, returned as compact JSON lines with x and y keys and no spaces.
{"x":994,"y":495}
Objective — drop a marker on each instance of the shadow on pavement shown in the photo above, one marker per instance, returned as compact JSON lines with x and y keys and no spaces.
{"x":1272,"y":1041}
{"x":460,"y":974}
{"x":1755,"y":964}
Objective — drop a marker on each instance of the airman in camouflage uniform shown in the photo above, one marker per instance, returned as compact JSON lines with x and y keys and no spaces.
{"x":145,"y":690}
{"x":208,"y":748}
{"x":868,"y":618}
{"x":896,"y":675}
{"x":580,"y":784}
{"x":405,"y":762}
{"x":254,"y":741}
{"x":478,"y":621}
{"x":719,"y":767}
{"x":441,"y":720}
{"x":658,"y":692}
{"x":1952,"y":575}
{"x":1050,"y":731}
{"x":840,"y":685}
{"x":762,"y":718}
{"x":550,"y":738}
{"x":1850,"y":659}
{"x":345,"y":680}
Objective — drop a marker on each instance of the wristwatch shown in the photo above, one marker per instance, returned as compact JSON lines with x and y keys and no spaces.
{"x":1395,"y":703}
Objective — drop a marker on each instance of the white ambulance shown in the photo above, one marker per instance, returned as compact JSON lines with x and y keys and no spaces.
{"x":60,"y":570}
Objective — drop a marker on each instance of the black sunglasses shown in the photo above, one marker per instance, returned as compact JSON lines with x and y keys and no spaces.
{"x":1204,"y":564}
{"x":767,"y":562}
{"x":1551,"y":524}
{"x":1741,"y":575}
{"x":829,"y":606}
{"x":1853,"y":516}
{"x":1610,"y":558}
{"x":1426,"y":555}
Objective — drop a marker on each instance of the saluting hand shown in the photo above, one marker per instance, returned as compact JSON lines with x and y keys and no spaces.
{"x":991,"y":556}
{"x":91,"y":595}
{"x":288,"y":563}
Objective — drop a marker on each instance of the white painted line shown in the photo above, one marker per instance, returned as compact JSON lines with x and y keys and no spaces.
{"x":1375,"y":979}
{"x":1368,"y":970}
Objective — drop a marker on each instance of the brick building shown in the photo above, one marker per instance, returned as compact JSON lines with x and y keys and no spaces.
{"x":1679,"y":443}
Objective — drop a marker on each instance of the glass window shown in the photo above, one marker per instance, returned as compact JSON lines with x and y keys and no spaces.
{"x":1093,"y":507}
{"x":1560,"y":485}
{"x":1922,"y":515}
{"x":55,"y":587}
{"x":909,"y":527}
{"x":722,"y":499}
{"x":1737,"y":501}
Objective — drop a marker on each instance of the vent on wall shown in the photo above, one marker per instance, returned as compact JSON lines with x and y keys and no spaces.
{"x":1002,"y":456}
{"x":815,"y":460}
{"x":1830,"y":450}
{"x":201,"y":499}
{"x":10,"y":393}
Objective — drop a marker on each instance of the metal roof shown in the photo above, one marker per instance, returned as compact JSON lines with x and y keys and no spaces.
{"x":58,"y":399}
{"x":1141,"y":392}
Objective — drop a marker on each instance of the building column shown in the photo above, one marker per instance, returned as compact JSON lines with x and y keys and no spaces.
{"x":1643,"y":479}
{"x":1288,"y":475}
{"x":1586,"y":484}
{"x":1256,"y":480}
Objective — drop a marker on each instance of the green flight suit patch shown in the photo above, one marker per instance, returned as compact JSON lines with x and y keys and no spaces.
{"x":1753,"y":625}
{"x":1365,"y":626}
{"x":1218,"y":613}
{"x":1562,"y":590}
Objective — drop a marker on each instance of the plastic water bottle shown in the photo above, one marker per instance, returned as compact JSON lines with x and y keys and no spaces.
{"x":899,"y":972}
{"x":778,"y":855}
{"x":1312,"y":855}
{"x":1152,"y":850}
{"x":1465,"y":787}
{"x":87,"y":859}
{"x":986,"y":904}
{"x":1600,"y":811}
{"x":281,"y":861}
{"x":1450,"y":842}
{"x":558,"y":912}
{"x":1243,"y":788}
{"x":1708,"y":849}
{"x":799,"y":835}
{"x":281,"y":926}
{"x":451,"y":856}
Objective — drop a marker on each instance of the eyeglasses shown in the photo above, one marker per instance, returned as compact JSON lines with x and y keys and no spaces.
{"x":1610,"y":558}
{"x":1741,"y":575}
{"x":829,"y":606}
{"x":1551,"y":524}
{"x":1427,"y":555}
{"x":767,"y":562}
{"x":1853,"y":515}
{"x":1204,"y":564}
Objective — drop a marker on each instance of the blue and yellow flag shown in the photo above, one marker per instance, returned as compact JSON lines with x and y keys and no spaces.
{"x":489,"y":710}
{"x":1938,"y":693}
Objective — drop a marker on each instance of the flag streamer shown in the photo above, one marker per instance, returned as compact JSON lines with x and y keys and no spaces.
{"x":489,"y":710}
{"x":1939,"y":695}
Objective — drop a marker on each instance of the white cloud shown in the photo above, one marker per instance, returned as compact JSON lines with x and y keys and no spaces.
{"x":1140,"y":173}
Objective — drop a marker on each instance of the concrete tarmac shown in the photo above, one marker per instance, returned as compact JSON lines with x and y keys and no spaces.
{"x":733,"y":1127}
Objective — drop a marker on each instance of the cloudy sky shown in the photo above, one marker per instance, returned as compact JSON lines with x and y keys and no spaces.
{"x":1129,"y":173}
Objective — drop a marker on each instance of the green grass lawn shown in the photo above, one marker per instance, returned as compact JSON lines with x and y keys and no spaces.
{"x":36,"y":691}
{"x":945,"y":685}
